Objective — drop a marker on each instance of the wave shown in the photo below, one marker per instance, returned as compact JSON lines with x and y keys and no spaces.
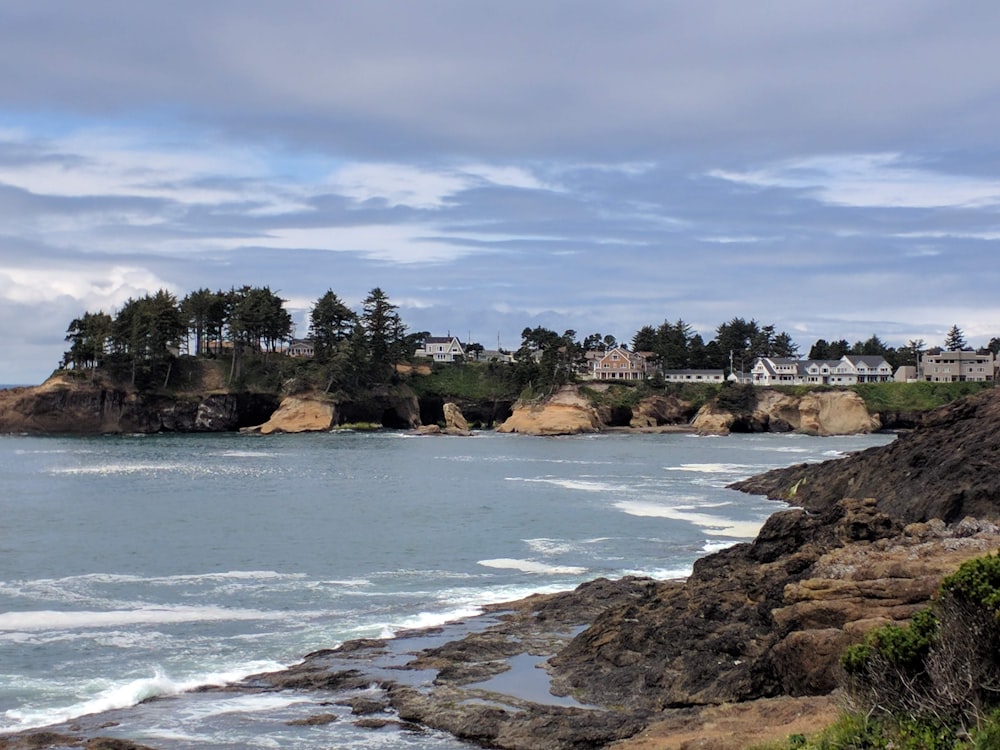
{"x":712,"y":524}
{"x":530,"y":566}
{"x":584,"y":485}
{"x":131,"y":694}
{"x":714,"y":468}
{"x":51,"y":620}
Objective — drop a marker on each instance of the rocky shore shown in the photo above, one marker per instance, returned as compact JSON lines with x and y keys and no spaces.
{"x":750,"y":641}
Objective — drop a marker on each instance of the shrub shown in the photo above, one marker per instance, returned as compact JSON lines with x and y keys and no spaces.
{"x":939,"y":676}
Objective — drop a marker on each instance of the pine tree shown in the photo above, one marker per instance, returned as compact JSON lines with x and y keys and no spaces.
{"x":955,"y":340}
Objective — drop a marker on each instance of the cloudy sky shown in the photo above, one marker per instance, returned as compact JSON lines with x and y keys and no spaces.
{"x":829,"y":167}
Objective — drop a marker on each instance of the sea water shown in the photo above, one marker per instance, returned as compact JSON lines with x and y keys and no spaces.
{"x":147,"y":566}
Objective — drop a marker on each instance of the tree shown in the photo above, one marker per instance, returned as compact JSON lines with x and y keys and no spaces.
{"x":147,"y":331}
{"x":88,"y":337}
{"x":331,"y":323}
{"x":644,"y":339}
{"x":384,"y":334}
{"x":820,"y":350}
{"x":955,"y":340}
{"x":201,"y":310}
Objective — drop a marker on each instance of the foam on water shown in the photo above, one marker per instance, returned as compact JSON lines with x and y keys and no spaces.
{"x":532,"y":566}
{"x":714,"y":468}
{"x":585,"y":485}
{"x":712,"y":524}
{"x":54,"y":620}
{"x":129,"y":694}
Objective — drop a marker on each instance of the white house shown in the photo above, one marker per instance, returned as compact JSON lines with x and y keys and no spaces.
{"x":441,"y":349}
{"x":848,"y":370}
{"x":301,"y":348}
{"x":694,"y":376}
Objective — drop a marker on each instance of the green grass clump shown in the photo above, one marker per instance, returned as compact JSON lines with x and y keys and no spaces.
{"x":919,"y":396}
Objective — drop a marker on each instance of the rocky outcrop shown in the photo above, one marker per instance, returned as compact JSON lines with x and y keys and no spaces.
{"x":65,"y":405}
{"x":298,"y":414}
{"x":566,"y":412}
{"x":454,"y":423}
{"x":815,"y":413}
{"x":657,"y":411}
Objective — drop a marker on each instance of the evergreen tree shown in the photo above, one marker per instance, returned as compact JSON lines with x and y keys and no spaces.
{"x":955,"y":340}
{"x":384,"y":336}
{"x":331,"y":323}
{"x":88,"y":337}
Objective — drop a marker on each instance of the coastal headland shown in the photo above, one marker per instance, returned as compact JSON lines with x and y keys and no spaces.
{"x":746,"y":649}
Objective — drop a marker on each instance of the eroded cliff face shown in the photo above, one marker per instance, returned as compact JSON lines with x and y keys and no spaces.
{"x":566,"y":412}
{"x":63,"y":405}
{"x":816,"y":413}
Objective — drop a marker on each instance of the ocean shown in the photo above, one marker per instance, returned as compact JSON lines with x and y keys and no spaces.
{"x":138,"y":567}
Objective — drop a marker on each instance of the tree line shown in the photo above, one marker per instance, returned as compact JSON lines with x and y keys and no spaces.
{"x":359,"y":349}
{"x":147,"y":334}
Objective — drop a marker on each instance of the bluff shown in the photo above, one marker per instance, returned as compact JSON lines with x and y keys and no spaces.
{"x":578,"y":409}
{"x":66,"y":405}
{"x":815,"y":413}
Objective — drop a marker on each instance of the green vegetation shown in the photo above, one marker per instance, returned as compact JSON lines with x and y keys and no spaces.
{"x":471,"y":381}
{"x":932,"y":685}
{"x":920,"y":396}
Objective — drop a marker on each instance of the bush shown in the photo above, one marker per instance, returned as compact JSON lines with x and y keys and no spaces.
{"x":940,"y":676}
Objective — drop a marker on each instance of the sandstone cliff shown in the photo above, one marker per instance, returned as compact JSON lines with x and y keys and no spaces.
{"x":564,"y":413}
{"x":815,"y":413}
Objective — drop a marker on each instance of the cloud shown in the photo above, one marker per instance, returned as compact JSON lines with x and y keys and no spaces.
{"x":871,"y":181}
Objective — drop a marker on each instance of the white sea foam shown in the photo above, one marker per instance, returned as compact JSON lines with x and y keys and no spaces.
{"x":712,"y":524}
{"x":425,"y":620}
{"x":713,"y":468}
{"x":131,"y":694}
{"x":531,"y":566}
{"x":714,"y":545}
{"x":49,"y":620}
{"x":584,"y":485}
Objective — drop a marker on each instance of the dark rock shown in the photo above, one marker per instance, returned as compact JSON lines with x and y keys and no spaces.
{"x":314,"y":721}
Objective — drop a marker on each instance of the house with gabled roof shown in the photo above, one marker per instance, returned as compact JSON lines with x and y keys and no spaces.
{"x":618,"y":363}
{"x":441,"y":349}
{"x":850,"y":369}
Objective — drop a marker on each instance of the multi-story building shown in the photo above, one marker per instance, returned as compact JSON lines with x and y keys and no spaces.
{"x":956,"y":366}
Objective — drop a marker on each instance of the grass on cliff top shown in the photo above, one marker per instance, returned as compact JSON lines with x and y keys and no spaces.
{"x":471,"y":381}
{"x":920,"y":396}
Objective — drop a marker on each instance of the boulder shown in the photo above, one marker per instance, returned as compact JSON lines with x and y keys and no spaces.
{"x":566,"y":412}
{"x":299,"y":414}
{"x":454,"y":422}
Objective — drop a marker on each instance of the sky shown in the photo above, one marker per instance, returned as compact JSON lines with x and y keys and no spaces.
{"x":831,"y":168}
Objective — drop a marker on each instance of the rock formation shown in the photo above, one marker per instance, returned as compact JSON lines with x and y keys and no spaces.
{"x":65,"y":405}
{"x":299,"y":414}
{"x":815,"y":413}
{"x":564,"y":413}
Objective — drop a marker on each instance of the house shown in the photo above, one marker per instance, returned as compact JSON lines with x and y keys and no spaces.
{"x":694,"y":376}
{"x":619,"y":364}
{"x":301,"y":348}
{"x":850,"y":369}
{"x":958,"y":366}
{"x":441,"y":349}
{"x":775,"y":371}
